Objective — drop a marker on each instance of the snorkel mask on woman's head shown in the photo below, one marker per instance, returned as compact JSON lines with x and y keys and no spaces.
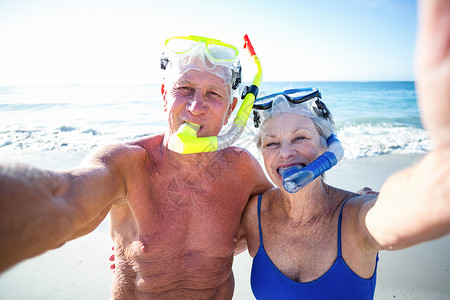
{"x":184,"y":53}
{"x":305,"y":102}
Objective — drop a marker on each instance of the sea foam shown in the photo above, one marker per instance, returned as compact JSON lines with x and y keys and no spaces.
{"x":365,"y":140}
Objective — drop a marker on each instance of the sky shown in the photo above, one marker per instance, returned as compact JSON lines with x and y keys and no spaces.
{"x":120,"y":42}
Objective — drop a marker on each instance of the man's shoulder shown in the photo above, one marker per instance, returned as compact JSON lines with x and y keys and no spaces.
{"x":151,"y":141}
{"x":241,"y":153}
{"x":245,"y":162}
{"x":127,"y":151}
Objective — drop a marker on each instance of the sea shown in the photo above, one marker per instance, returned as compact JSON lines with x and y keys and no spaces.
{"x":371,"y":118}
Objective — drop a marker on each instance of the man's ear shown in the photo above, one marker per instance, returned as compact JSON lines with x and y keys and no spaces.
{"x":230,"y":109}
{"x":164,"y":94}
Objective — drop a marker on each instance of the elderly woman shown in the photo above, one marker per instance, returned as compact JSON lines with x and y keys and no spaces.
{"x":319,"y":242}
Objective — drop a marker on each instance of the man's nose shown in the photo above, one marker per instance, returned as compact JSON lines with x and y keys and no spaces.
{"x":196,"y":105}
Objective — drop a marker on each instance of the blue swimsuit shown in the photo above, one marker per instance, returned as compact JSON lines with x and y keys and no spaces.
{"x":339,"y":282}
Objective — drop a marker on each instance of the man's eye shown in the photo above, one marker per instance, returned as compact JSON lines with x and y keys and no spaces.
{"x":185,"y":89}
{"x":214,"y":95}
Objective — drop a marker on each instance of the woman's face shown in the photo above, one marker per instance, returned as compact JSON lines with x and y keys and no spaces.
{"x":289,"y":139}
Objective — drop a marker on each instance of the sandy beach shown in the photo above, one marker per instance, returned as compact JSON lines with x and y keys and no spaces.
{"x":80,"y":269}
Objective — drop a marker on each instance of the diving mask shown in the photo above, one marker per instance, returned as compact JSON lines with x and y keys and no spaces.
{"x":184,"y":53}
{"x":306,"y":101}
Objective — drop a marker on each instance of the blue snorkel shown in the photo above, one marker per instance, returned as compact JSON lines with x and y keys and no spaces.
{"x":295,"y":178}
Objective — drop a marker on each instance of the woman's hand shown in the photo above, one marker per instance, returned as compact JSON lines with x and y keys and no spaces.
{"x":367,"y":190}
{"x":112,"y":258}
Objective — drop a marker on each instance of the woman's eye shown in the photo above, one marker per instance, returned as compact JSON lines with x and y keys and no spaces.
{"x":299,"y":138}
{"x":271,"y":145}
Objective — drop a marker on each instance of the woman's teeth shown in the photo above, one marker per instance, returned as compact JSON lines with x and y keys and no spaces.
{"x":282,"y":169}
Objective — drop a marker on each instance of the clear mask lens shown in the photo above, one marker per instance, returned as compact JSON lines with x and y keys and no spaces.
{"x":218,"y":53}
{"x":293,"y":95}
{"x":264,"y":102}
{"x":297,"y":94}
{"x":300,"y":101}
{"x":180,"y":46}
{"x":202,"y":54}
{"x":222,"y":53}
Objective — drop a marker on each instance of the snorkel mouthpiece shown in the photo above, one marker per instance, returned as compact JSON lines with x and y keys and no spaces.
{"x":295,"y":178}
{"x":185,"y":140}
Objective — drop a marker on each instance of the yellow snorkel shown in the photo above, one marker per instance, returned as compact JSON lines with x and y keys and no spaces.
{"x":185,"y":140}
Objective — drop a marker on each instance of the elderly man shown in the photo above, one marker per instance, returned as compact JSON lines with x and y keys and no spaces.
{"x":174,"y":217}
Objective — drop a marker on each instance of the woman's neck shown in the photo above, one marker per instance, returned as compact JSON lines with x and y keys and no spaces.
{"x":311,"y":204}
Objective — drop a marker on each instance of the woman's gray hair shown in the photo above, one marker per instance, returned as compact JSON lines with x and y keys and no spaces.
{"x":325,"y":127}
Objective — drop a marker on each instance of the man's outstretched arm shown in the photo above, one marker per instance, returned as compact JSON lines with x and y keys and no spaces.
{"x":41,"y":210}
{"x":414,"y":204}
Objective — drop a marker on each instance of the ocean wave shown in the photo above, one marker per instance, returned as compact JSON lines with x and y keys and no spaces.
{"x":16,"y":142}
{"x":359,"y":140}
{"x":364,"y":140}
{"x":372,"y":118}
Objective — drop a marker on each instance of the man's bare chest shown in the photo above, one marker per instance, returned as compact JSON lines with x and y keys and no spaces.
{"x":187,"y":210}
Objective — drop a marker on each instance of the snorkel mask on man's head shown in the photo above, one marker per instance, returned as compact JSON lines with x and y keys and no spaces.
{"x":306,"y":102}
{"x":209,"y":55}
{"x":184,"y":53}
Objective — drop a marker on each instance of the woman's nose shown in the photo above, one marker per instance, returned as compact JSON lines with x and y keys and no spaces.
{"x":286,"y":150}
{"x":196,"y":105}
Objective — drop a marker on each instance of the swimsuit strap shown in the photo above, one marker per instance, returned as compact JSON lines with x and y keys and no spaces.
{"x":339,"y":246}
{"x":259,"y":221}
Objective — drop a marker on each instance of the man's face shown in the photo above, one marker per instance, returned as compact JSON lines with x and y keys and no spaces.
{"x":200,"y":97}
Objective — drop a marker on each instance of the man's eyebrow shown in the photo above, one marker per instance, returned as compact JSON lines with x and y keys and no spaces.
{"x":215,"y":87}
{"x":183,"y":81}
{"x":211,"y":86}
